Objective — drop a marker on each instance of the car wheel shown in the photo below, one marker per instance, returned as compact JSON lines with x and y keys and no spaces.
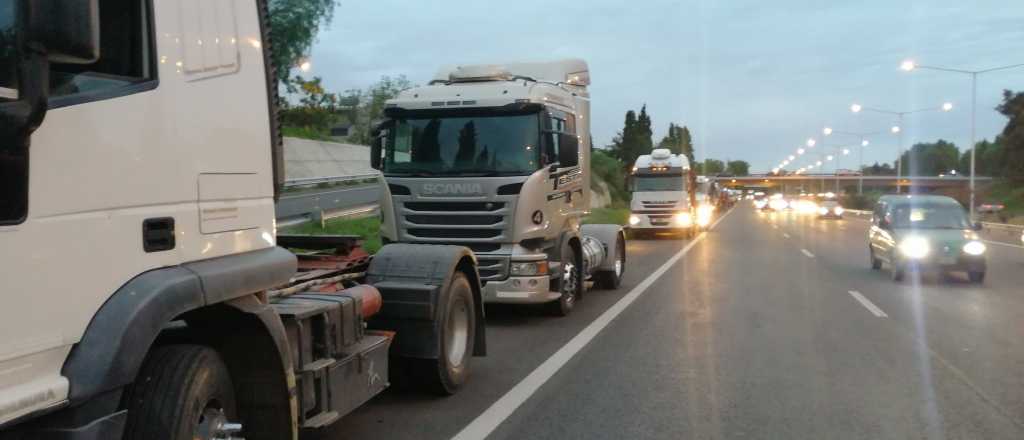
{"x":976,"y":277}
{"x":876,"y":264}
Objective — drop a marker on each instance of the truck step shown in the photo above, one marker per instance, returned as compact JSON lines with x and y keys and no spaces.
{"x":318,"y":366}
{"x":321,"y":420}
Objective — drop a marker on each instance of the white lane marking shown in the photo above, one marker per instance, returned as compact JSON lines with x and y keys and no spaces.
{"x":484,"y":424}
{"x":868,"y":304}
{"x":807,"y":253}
{"x":785,"y":235}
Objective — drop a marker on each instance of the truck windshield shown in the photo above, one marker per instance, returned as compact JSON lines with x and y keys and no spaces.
{"x":8,"y":55}
{"x":929,"y":217}
{"x":659,"y":183}
{"x":489,"y":145}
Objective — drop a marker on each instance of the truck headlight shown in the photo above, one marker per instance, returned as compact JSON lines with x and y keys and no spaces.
{"x":634,"y":220}
{"x":529,"y":268}
{"x":823,"y":210}
{"x":915,"y":247}
{"x":974,"y":248}
{"x":683,"y":219}
{"x":704,"y":215}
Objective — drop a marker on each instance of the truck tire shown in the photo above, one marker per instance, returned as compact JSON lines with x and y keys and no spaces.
{"x":446,"y":374}
{"x":612,"y":279}
{"x":571,"y":286}
{"x":182,"y":392}
{"x":876,"y":264}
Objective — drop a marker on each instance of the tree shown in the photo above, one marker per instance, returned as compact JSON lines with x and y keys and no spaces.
{"x":625,"y":145}
{"x":369,"y":105}
{"x":711,"y":167}
{"x":678,"y":141}
{"x":316,"y":110}
{"x":737,"y":167}
{"x":878,"y":170}
{"x":644,"y":131}
{"x":930,"y":159}
{"x":293,"y":28}
{"x":987,"y":159}
{"x":1011,"y":155}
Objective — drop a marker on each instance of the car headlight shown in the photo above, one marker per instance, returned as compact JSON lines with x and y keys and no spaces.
{"x":915,"y":247}
{"x":683,"y":219}
{"x":838,"y":210}
{"x":634,"y":220}
{"x":529,"y":268}
{"x":974,"y":248}
{"x":823,"y":211}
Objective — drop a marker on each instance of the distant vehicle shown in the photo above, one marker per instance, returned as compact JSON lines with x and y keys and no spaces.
{"x":844,"y":172}
{"x":990,"y":208}
{"x":660,"y":199}
{"x":913,"y":233}
{"x":830,"y":209}
{"x":761,"y":202}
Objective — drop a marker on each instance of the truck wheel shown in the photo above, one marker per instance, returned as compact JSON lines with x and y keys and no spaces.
{"x":571,"y":284}
{"x":182,"y":392}
{"x":446,"y":374}
{"x":612,"y":279}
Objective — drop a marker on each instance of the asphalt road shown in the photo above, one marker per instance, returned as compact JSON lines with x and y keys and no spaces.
{"x":770,"y":326}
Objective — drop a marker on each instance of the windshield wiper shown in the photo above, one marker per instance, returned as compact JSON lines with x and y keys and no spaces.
{"x":413,"y":172}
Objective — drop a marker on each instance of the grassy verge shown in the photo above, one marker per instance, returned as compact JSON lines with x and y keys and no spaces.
{"x":617,"y":216}
{"x":366,"y":228}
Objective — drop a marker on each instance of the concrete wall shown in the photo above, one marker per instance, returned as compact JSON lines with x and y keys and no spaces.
{"x":305,"y":158}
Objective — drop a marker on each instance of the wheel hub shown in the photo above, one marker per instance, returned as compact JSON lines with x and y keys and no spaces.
{"x":214,"y":425}
{"x":457,"y":332}
{"x":570,"y":278}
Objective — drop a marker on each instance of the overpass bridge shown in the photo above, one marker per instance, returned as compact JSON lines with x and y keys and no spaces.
{"x":848,"y":183}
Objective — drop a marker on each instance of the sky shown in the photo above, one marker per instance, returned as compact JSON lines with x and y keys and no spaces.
{"x":753,"y":80}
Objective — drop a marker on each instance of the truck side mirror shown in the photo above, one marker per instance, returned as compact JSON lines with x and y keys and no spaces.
{"x":376,"y":147}
{"x":568,"y":150}
{"x":68,"y":29}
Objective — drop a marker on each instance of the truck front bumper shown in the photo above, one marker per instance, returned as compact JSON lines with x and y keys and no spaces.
{"x":520,"y":290}
{"x":662,"y":221}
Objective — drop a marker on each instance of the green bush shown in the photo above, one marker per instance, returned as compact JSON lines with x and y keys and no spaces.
{"x":366,"y":228}
{"x":612,"y":172}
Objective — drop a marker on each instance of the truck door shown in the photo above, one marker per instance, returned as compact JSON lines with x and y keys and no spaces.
{"x":565,"y":197}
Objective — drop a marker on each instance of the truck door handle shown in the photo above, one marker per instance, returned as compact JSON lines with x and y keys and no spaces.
{"x":158,"y":234}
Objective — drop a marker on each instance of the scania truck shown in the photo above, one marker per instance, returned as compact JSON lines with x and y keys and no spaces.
{"x":146,"y":292}
{"x":663,"y":194}
{"x":496,"y":158}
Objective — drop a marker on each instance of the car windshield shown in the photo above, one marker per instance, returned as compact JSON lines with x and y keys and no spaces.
{"x":911,"y":216}
{"x":463,"y":145}
{"x":8,"y":55}
{"x":659,"y":183}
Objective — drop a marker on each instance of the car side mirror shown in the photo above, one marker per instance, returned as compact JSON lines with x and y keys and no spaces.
{"x":978,"y":226}
{"x":568,"y":150}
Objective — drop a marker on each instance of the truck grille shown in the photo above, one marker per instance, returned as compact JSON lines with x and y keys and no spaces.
{"x":659,"y":204}
{"x":454,"y":233}
{"x":454,"y":206}
{"x":492,"y":267}
{"x":462,"y":220}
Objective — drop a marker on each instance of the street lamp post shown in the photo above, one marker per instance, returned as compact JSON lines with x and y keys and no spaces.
{"x":898,"y":129}
{"x":910,"y":65}
{"x":828,"y":131}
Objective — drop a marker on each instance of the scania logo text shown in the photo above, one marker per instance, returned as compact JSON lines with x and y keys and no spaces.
{"x":436,"y":189}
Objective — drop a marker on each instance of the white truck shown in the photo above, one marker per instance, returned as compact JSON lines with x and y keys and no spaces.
{"x":662,"y":195}
{"x":497,"y":158}
{"x":147,"y":294}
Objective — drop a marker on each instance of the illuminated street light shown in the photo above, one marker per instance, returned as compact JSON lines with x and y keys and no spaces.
{"x":864,"y":143}
{"x":947,"y":106}
{"x":818,"y":163}
{"x":305,"y":65}
{"x":800,"y":151}
{"x":846,"y":151}
{"x":907,"y":65}
{"x":811,"y":142}
{"x":828,"y":158}
{"x":827,"y":131}
{"x":895,"y":129}
{"x":791,"y":157}
{"x":856,"y":108}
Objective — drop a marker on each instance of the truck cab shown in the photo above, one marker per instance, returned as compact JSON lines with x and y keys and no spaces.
{"x":660,"y":194}
{"x":497,"y":158}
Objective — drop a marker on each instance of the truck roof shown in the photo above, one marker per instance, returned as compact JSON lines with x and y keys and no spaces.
{"x":571,"y":71}
{"x":661,"y":158}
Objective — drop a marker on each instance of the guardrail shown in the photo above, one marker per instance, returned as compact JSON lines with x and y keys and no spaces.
{"x":307,"y":181}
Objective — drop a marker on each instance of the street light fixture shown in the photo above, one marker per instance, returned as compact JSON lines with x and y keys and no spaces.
{"x":800,"y":151}
{"x":811,"y":142}
{"x":827,"y":131}
{"x":896,"y":129}
{"x":910,"y":65}
{"x":863,"y":143}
